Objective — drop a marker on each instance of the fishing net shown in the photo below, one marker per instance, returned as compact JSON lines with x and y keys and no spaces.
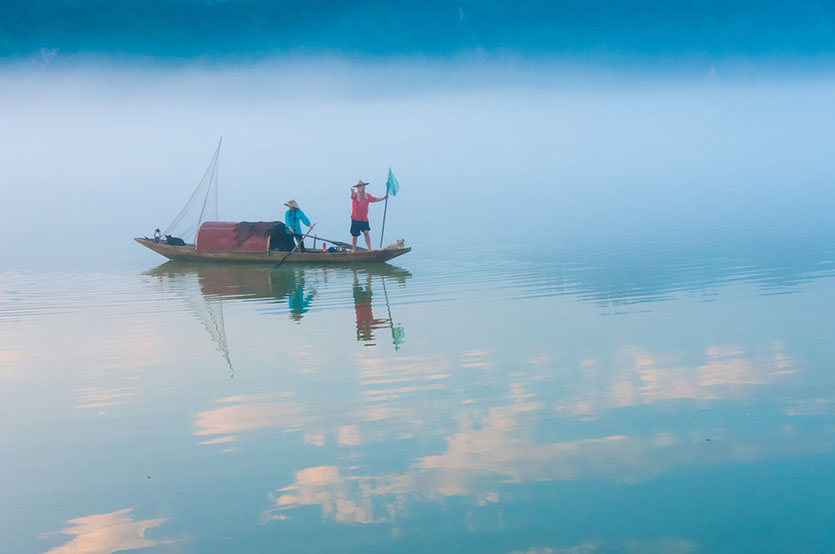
{"x":201,"y":206}
{"x":392,"y":186}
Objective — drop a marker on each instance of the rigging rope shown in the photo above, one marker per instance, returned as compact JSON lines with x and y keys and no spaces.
{"x":208,"y":181}
{"x":211,"y":179}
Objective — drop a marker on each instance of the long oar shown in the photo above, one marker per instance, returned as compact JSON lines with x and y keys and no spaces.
{"x":281,"y":261}
{"x":336,"y":242}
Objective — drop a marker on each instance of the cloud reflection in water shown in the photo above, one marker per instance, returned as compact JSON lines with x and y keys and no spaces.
{"x":107,"y":533}
{"x":499,"y":445}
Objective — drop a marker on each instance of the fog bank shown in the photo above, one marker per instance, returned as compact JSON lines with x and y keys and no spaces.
{"x":104,"y":154}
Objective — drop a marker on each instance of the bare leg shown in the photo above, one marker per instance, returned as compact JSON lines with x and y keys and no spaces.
{"x":353,"y":244}
{"x":367,"y":239}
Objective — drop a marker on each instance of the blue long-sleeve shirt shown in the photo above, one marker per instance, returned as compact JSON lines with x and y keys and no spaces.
{"x":293,"y":220}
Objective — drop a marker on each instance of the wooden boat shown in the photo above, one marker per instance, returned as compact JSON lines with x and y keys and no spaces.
{"x":252,"y":242}
{"x":190,"y":252}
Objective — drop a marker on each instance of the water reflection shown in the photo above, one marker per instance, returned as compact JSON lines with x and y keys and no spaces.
{"x":639,"y":377}
{"x":366,"y":322}
{"x":497,"y":410}
{"x":298,"y":286}
{"x":533,"y":425}
{"x":492,"y":453}
{"x":634,"y":271}
{"x":299,"y":299}
{"x":247,"y":413}
{"x":664,"y":545}
{"x":98,"y":397}
{"x":476,"y":449}
{"x":107,"y":533}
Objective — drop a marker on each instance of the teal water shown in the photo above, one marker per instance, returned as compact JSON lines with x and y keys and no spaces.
{"x":664,"y":395}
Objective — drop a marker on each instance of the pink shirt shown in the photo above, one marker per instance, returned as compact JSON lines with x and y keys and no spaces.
{"x":359,"y":208}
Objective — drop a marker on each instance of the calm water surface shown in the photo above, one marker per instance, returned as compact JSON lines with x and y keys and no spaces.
{"x":641,"y":396}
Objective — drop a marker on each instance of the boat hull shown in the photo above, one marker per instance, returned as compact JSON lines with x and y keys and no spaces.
{"x":189,"y":253}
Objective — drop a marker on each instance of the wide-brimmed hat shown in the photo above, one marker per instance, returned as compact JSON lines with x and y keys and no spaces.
{"x":360,"y":183}
{"x":291,"y":204}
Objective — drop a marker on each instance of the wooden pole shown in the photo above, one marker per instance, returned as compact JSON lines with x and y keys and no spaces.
{"x":281,"y":261}
{"x":336,"y":242}
{"x":385,"y":209}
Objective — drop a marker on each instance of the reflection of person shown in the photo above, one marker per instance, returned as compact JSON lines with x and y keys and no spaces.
{"x":359,"y":213}
{"x":297,"y":300}
{"x":364,"y":312}
{"x":293,"y":219}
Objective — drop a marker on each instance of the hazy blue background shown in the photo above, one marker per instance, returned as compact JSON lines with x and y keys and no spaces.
{"x":525,"y":152}
{"x":524,"y":123}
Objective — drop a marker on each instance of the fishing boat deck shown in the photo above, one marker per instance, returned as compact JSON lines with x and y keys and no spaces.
{"x":188,"y":252}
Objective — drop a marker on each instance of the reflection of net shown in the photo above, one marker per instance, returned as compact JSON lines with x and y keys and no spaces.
{"x":201,"y":206}
{"x":397,"y":331}
{"x":209,"y":312}
{"x":211,"y":316}
{"x":397,"y":335}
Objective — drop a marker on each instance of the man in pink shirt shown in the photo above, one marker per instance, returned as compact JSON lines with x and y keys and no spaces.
{"x":359,"y":213}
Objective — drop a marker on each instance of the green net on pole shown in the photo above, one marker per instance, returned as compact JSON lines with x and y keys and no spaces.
{"x":392,"y":186}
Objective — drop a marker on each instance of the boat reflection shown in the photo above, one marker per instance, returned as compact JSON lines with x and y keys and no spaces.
{"x":298,"y":287}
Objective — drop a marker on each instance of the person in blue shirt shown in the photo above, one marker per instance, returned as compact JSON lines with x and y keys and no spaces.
{"x":293,"y":219}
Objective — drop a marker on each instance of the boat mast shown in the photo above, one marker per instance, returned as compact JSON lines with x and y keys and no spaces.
{"x":212,"y":184}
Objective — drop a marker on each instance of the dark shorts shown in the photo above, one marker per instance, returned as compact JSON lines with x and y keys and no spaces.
{"x":358,"y":227}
